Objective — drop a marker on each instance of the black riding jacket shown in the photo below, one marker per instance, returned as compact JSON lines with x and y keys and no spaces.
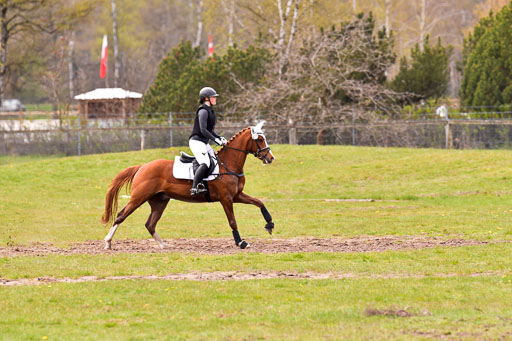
{"x":204,"y":124}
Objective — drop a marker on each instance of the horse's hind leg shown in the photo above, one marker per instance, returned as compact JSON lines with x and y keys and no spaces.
{"x":228,"y":208}
{"x":121,"y":216}
{"x":158,"y":204}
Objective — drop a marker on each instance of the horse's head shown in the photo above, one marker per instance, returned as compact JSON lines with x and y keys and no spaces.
{"x":259,"y":146}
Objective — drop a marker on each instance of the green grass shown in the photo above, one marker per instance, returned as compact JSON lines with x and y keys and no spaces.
{"x":263,"y":309}
{"x":437,"y":193}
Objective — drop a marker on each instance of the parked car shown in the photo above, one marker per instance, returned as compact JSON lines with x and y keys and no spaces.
{"x":11,"y":105}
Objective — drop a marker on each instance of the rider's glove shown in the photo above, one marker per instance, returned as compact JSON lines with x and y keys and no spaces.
{"x":223,"y":140}
{"x":219,"y":141}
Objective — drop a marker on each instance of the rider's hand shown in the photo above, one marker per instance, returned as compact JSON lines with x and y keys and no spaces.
{"x":219,"y":141}
{"x":223,"y":140}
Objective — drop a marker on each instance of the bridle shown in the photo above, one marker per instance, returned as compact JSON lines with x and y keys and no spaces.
{"x":257,"y":154}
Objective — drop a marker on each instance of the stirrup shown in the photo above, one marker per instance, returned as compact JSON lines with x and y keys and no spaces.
{"x":198,"y":190}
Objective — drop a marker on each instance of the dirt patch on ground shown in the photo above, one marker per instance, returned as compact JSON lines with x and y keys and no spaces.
{"x":224,"y":246}
{"x":237,"y":276}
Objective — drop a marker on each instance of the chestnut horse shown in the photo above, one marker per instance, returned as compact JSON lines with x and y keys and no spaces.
{"x":154,"y":182}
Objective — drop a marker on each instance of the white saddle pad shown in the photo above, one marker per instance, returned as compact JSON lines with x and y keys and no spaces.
{"x":185,"y":171}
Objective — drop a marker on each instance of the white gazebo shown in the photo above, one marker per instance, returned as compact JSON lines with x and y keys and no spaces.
{"x":108,"y":102}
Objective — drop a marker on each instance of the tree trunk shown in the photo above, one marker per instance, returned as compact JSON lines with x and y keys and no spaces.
{"x":422,"y":24}
{"x":354,"y":5}
{"x":229,"y":9}
{"x":294,"y":27}
{"x":231,"y":22}
{"x":199,"y":23}
{"x":116,"y":50}
{"x":3,"y":49}
{"x":282,"y":30}
{"x":165,"y":29}
{"x":386,"y":22}
{"x":71,"y":48}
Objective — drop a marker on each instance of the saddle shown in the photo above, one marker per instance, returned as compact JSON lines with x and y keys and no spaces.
{"x":185,"y":158}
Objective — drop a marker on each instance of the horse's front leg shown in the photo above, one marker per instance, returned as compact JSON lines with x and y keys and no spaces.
{"x":247,"y":199}
{"x":228,"y":208}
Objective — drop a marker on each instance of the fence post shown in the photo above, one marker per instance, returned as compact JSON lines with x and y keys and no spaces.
{"x":170,"y":130}
{"x":79,"y":135}
{"x":21,"y":119}
{"x":142,"y":139}
{"x":353,"y":130}
{"x":448,"y":135}
{"x":292,"y":134}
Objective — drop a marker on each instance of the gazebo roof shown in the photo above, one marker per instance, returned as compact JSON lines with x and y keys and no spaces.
{"x":108,"y":93}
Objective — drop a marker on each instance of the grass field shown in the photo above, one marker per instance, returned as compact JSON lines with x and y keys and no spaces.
{"x":450,"y":292}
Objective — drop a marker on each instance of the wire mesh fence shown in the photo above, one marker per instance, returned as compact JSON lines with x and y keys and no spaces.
{"x":73,"y":136}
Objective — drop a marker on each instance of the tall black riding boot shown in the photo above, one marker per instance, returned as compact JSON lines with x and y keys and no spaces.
{"x":201,"y":173}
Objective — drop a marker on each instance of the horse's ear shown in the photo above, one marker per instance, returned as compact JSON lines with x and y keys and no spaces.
{"x":256,"y":130}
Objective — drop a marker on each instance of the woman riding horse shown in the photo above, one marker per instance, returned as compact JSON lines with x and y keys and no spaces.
{"x":203,"y":131}
{"x":155,"y":183}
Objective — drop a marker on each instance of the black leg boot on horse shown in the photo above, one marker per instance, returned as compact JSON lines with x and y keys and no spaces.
{"x":197,"y":185}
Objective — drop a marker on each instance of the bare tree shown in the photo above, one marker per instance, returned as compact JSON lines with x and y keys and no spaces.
{"x":53,"y":78}
{"x":336,"y":76}
{"x":16,"y":17}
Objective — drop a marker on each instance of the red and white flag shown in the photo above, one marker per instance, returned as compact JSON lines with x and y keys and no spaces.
{"x":210,"y":46}
{"x":104,"y":56}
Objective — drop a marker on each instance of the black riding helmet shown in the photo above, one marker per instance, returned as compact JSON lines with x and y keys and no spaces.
{"x":207,"y":92}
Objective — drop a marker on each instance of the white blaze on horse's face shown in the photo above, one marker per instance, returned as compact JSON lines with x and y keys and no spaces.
{"x":264,"y":153}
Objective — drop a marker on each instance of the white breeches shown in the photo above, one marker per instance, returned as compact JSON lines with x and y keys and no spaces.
{"x":201,"y":151}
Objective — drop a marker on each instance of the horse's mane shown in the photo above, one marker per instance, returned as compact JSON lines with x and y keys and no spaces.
{"x":234,"y":137}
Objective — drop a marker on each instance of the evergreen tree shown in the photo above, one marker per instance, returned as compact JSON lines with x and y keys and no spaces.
{"x":184,"y":72}
{"x":487,"y":62}
{"x":428,"y":74}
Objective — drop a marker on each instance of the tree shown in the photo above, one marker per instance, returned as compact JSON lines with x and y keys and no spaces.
{"x":428,"y":74}
{"x":27,"y":19}
{"x":15,"y":17}
{"x":337,"y":75}
{"x":183,"y":73}
{"x":487,"y":70}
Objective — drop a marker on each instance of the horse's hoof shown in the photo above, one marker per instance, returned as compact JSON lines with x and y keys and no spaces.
{"x":108,"y":244}
{"x":243,"y":244}
{"x":269,"y":227}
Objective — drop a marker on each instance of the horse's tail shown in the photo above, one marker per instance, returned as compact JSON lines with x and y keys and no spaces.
{"x":124,"y":177}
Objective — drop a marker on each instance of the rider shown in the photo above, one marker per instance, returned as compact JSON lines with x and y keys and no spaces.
{"x":202,"y":132}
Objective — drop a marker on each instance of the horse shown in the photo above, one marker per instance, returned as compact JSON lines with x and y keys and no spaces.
{"x":155,"y":183}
